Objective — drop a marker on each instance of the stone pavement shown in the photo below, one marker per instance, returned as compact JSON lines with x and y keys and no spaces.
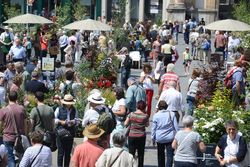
{"x":150,"y":158}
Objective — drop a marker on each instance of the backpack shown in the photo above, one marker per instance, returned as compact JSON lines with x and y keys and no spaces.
{"x":106,"y":120}
{"x":68,"y":89}
{"x":228,"y":81}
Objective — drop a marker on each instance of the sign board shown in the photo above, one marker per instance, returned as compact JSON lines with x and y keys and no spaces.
{"x":48,"y":64}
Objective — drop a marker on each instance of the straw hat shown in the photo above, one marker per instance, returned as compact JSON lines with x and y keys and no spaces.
{"x":93,"y":131}
{"x":96,"y":98}
{"x":68,"y":100}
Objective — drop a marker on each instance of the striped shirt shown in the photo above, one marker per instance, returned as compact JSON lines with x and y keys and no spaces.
{"x":138,"y":123}
{"x":167,"y":77}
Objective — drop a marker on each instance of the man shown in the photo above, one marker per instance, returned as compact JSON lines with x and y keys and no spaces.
{"x":87,"y":153}
{"x":17,"y":53}
{"x":238,"y":89}
{"x":135,"y":93}
{"x":30,"y":67}
{"x":20,"y":71}
{"x":6,"y":39}
{"x":173,"y":99}
{"x":167,"y":77}
{"x":63,"y":42}
{"x":102,"y":42}
{"x":220,"y":43}
{"x":2,"y":89}
{"x":12,"y":119}
{"x":46,"y":112}
{"x":34,"y":85}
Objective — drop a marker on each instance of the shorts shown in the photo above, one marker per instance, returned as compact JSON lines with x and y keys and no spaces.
{"x":186,"y":62}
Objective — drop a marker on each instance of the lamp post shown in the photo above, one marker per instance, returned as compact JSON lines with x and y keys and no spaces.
{"x":29,"y":3}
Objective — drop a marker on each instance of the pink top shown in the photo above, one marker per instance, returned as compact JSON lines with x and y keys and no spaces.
{"x":86,"y":154}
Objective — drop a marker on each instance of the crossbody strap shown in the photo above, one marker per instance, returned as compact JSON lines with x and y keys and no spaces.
{"x":179,"y":146}
{"x":190,"y":84}
{"x":36,"y":156}
{"x":116,"y":158}
{"x":38,"y":112}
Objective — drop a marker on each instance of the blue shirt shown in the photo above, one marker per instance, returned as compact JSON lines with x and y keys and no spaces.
{"x":238,"y":76}
{"x":17,"y":52}
{"x":164,"y":126}
{"x":63,"y":41}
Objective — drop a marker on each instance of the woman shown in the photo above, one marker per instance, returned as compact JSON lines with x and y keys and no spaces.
{"x":232,"y":148}
{"x":147,"y":79}
{"x":156,"y":49}
{"x":70,"y":51}
{"x":53,"y":47}
{"x":164,"y":127}
{"x":186,"y":143}
{"x":119,"y":110}
{"x":137,"y":121}
{"x":65,"y":120}
{"x":193,"y":88}
{"x":38,"y":155}
{"x":167,"y":51}
{"x":116,"y":156}
{"x":159,"y":69}
{"x":17,"y":82}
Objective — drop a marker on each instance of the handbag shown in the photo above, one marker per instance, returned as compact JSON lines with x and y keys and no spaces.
{"x":49,"y":138}
{"x":21,"y":141}
{"x":63,"y":133}
{"x":53,"y":50}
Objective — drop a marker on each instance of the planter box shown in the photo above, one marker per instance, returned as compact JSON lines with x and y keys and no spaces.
{"x":207,"y":159}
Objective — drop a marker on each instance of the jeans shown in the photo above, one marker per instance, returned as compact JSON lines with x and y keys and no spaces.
{"x":125,"y":74}
{"x":64,"y":147}
{"x":149,"y":94}
{"x":184,"y":164}
{"x":43,"y":54}
{"x":62,"y":53}
{"x":161,"y":154}
{"x":137,"y":143}
{"x":190,"y":102}
{"x":11,"y":158}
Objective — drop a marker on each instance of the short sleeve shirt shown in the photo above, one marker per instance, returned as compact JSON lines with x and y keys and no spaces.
{"x":116,"y":107}
{"x":238,"y":77}
{"x":166,"y":78}
{"x":188,"y":143}
{"x":47,"y":115}
{"x":147,"y":83}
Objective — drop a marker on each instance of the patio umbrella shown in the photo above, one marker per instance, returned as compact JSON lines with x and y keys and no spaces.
{"x":88,"y":24}
{"x":228,"y":25}
{"x":28,"y":19}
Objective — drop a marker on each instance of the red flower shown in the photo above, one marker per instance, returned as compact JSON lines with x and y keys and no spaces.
{"x":100,"y":84}
{"x":108,"y":84}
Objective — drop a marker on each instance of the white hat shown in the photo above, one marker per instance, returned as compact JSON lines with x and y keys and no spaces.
{"x":96,"y":98}
{"x":68,"y":100}
{"x":2,"y":75}
{"x":6,"y":28}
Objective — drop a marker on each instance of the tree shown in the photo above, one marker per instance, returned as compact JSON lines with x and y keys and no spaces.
{"x":119,"y":14}
{"x":63,"y":13}
{"x":79,"y":11}
{"x":242,"y":12}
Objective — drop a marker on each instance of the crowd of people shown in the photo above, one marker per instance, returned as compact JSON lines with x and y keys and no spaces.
{"x":116,"y":135}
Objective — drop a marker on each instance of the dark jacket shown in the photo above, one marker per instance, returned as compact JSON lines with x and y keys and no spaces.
{"x":242,"y":147}
{"x":34,"y":85}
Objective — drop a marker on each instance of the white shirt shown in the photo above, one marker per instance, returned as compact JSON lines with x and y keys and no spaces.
{"x":90,"y":116}
{"x":173,"y":98}
{"x":116,"y":107}
{"x":2,"y":95}
{"x":193,"y":86}
{"x":147,"y":82}
{"x":159,"y":70}
{"x":63,"y":40}
{"x":4,"y":34}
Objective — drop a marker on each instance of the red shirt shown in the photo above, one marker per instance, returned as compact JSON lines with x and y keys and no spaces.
{"x":43,"y":43}
{"x":166,"y":78}
{"x":86,"y":154}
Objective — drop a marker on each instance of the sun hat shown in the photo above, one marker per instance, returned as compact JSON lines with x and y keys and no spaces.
{"x":170,"y":67}
{"x":68,"y":100}
{"x":92,"y":131}
{"x":96,"y":98}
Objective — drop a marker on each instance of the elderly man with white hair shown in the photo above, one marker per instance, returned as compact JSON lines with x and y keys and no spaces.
{"x":17,"y":53}
{"x":166,"y":78}
{"x":173,"y":99}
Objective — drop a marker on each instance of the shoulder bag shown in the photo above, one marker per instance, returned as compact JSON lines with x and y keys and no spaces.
{"x":49,"y":138}
{"x":35,"y":156}
{"x":21,"y":141}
